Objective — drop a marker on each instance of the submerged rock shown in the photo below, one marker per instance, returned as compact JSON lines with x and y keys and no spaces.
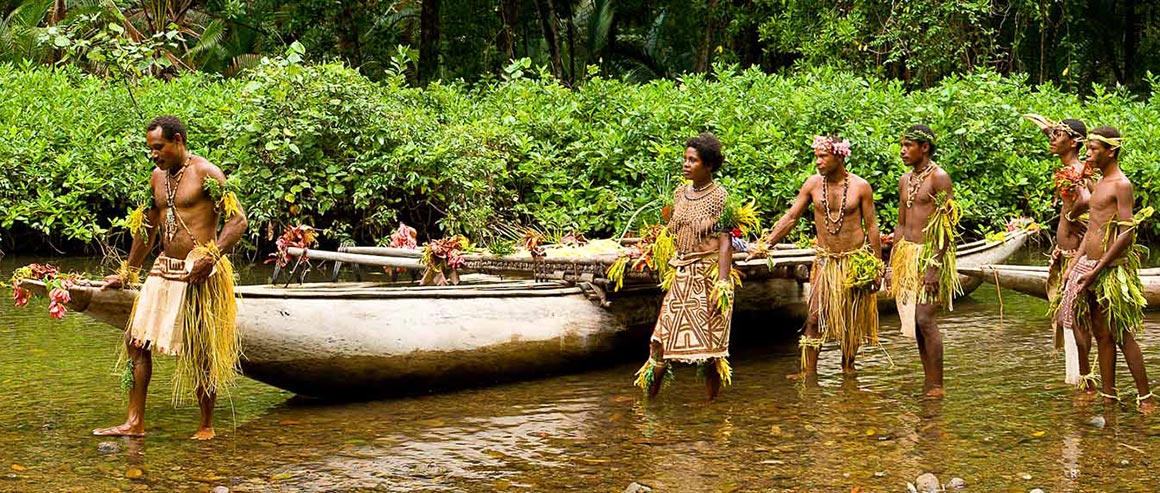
{"x":1036,"y":490}
{"x":927,"y":483}
{"x":636,"y":487}
{"x":108,"y":448}
{"x":221,"y":489}
{"x":956,"y":484}
{"x":1097,"y":421}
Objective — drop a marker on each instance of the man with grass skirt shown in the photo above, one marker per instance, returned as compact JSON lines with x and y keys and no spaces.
{"x":1072,"y":188}
{"x":1102,"y":291}
{"x":186,"y":305}
{"x":922,"y":263}
{"x":848,"y":267}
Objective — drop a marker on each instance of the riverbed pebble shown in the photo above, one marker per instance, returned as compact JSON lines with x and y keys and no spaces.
{"x":636,"y":487}
{"x":108,"y":448}
{"x":927,"y":483}
{"x":956,"y":484}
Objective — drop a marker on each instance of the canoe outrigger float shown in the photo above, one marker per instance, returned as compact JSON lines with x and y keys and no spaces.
{"x":364,"y":339}
{"x":1032,"y":280}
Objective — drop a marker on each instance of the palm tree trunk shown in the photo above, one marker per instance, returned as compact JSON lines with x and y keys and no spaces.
{"x":428,"y":41}
{"x":707,"y":40}
{"x":547,"y":11}
{"x":509,"y":13}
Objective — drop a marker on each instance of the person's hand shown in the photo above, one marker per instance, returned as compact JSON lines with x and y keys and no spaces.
{"x":202,"y":267}
{"x":930,"y":281}
{"x":757,"y":250}
{"x":112,"y":281}
{"x":1085,"y":280}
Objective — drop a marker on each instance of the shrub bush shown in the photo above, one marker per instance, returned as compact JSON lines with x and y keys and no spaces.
{"x":322,"y":145}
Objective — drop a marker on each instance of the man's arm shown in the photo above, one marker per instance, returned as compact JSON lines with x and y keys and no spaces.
{"x":940,"y":183}
{"x":870,"y":221}
{"x":901,"y":210}
{"x":236,"y":224}
{"x":229,"y":236}
{"x":790,"y":218}
{"x":142,"y":245}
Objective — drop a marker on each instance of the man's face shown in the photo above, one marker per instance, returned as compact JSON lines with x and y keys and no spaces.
{"x":166,"y":154}
{"x":826,"y":162}
{"x":1099,"y":155}
{"x":1061,"y":142}
{"x":912,"y":151}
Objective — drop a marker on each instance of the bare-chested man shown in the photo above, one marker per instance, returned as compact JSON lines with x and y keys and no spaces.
{"x":186,"y":306}
{"x":923,"y":277}
{"x":847,"y":230}
{"x":1102,"y":289}
{"x":1072,"y":182}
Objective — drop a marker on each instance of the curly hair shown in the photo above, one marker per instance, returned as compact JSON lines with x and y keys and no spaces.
{"x":170,"y":127}
{"x":708,"y":149}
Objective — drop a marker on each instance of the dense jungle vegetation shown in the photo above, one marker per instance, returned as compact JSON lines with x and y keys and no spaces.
{"x":464,"y":116}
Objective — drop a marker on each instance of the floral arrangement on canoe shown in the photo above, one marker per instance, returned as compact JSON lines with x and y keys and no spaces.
{"x":442,"y":258}
{"x":56,"y":284}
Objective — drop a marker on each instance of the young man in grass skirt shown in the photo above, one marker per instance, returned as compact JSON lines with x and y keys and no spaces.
{"x":1072,"y":188}
{"x":186,"y":306}
{"x":1102,"y":291}
{"x":695,"y":317}
{"x":848,"y":267}
{"x":922,"y":262}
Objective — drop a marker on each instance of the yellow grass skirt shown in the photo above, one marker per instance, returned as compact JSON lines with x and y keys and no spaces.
{"x":195,"y":322}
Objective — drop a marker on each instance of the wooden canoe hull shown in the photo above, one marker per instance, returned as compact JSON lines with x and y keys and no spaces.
{"x":1032,"y":280}
{"x":357,"y":341}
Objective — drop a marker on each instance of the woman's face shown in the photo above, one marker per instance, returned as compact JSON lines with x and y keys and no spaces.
{"x":693,"y":168}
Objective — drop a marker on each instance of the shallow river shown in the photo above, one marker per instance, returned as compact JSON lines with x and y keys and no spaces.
{"x":1007,"y":423}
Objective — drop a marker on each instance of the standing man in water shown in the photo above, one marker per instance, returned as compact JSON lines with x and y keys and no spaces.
{"x":848,"y":238}
{"x":186,"y":306}
{"x":1103,"y":290}
{"x":1072,"y":182}
{"x":923,"y":260}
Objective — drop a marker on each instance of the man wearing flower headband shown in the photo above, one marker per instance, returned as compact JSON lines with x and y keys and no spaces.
{"x":848,"y":266}
{"x":186,"y":306}
{"x":922,"y":263}
{"x":1102,"y":291}
{"x":1072,"y":187}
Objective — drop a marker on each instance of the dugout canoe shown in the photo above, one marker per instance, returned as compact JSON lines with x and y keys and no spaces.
{"x":358,"y":340}
{"x":1032,"y":280}
{"x":364,"y":340}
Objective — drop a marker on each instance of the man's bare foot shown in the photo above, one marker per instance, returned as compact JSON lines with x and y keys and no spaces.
{"x":935,"y":392}
{"x":1147,"y":406}
{"x":125,"y":430}
{"x":203,"y":434}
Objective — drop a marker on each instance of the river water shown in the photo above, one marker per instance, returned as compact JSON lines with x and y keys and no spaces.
{"x":1007,"y":423}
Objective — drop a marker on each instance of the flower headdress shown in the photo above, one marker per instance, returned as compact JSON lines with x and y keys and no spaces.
{"x":833,"y":145}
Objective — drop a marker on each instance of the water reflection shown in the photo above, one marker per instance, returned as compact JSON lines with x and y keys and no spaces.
{"x":1007,"y":417}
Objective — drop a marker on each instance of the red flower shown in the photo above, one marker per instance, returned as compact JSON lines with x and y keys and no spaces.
{"x":56,"y":310}
{"x":59,"y":296}
{"x":736,"y":232}
{"x":20,"y":296}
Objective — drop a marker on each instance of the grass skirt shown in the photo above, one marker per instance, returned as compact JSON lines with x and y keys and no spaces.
{"x":195,"y":322}
{"x":848,"y":315}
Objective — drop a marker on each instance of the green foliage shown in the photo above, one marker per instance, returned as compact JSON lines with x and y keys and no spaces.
{"x":325,"y":146}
